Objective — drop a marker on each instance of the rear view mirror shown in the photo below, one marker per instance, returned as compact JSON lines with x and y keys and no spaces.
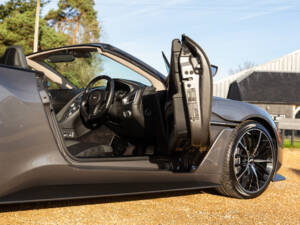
{"x":214,"y":70}
{"x":61,"y":58}
{"x":82,"y":54}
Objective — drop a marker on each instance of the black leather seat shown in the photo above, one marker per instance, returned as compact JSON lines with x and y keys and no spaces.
{"x":14,"y":56}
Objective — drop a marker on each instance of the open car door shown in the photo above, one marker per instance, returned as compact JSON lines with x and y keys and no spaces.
{"x":189,"y":96}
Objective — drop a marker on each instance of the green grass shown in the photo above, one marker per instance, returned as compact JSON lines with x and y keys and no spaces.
{"x":287,"y":144}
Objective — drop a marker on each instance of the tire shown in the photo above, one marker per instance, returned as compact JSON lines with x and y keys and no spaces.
{"x":250,"y":161}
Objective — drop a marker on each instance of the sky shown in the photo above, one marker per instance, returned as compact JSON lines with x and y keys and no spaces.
{"x":231,"y":32}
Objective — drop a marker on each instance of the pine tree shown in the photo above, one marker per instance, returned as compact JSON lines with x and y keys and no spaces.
{"x":77,"y":18}
{"x":17,"y":27}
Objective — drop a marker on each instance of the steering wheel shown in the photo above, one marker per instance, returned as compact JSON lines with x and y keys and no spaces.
{"x":96,"y":101}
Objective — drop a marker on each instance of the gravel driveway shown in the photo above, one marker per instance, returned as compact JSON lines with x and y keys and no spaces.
{"x":280,"y":204}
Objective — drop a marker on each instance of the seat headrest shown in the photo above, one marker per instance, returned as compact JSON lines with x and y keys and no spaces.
{"x":14,"y":56}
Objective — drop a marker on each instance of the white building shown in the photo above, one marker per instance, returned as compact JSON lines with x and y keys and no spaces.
{"x":288,"y":64}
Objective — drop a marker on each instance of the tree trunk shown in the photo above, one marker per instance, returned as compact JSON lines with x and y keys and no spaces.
{"x":75,"y":32}
{"x":36,"y":28}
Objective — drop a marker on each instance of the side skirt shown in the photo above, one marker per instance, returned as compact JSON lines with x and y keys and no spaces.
{"x":88,"y":191}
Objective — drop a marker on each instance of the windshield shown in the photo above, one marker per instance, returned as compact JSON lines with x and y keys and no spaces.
{"x":80,"y":66}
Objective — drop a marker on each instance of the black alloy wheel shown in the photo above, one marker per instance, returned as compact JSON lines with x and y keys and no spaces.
{"x":250,"y":161}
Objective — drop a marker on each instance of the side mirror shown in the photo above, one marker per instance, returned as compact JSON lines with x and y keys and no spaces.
{"x":214,"y":70}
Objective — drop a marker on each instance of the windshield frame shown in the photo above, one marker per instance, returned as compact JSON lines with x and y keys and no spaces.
{"x":106,"y":66}
{"x":158,"y":79}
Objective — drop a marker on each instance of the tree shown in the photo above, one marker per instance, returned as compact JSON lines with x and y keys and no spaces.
{"x":75,"y":21}
{"x":244,"y":66}
{"x":17,"y":19}
{"x":77,"y":18}
{"x":7,"y":9}
{"x":81,"y":70}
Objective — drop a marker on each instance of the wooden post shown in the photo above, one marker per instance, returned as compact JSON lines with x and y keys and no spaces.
{"x":292,"y":138}
{"x":290,"y":124}
{"x":282,"y":137}
{"x":36,"y":28}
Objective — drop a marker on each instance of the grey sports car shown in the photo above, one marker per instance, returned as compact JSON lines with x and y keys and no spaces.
{"x":91,"y":120}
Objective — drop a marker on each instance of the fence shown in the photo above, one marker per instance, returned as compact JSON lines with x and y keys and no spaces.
{"x":288,"y":124}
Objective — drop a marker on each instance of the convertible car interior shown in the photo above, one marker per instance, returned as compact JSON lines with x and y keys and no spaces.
{"x":128,"y":121}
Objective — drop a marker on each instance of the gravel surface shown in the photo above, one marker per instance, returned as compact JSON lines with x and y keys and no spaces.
{"x":280,"y":204}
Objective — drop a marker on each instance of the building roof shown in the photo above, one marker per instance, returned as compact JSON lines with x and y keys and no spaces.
{"x":267,"y":88}
{"x":289,"y":63}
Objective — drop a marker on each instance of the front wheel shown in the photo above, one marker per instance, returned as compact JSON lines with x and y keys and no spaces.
{"x":249,"y":161}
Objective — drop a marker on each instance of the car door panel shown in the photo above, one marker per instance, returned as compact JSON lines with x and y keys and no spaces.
{"x":197,"y":84}
{"x":176,"y":111}
{"x":190,"y":93}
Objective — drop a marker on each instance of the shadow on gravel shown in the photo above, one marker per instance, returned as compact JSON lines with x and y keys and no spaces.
{"x":296,"y":171}
{"x":103,"y":200}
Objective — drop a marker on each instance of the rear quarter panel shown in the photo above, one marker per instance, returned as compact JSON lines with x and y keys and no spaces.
{"x":26,"y":141}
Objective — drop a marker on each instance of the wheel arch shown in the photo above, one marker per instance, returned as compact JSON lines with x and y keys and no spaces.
{"x":275,"y":136}
{"x":269,"y":127}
